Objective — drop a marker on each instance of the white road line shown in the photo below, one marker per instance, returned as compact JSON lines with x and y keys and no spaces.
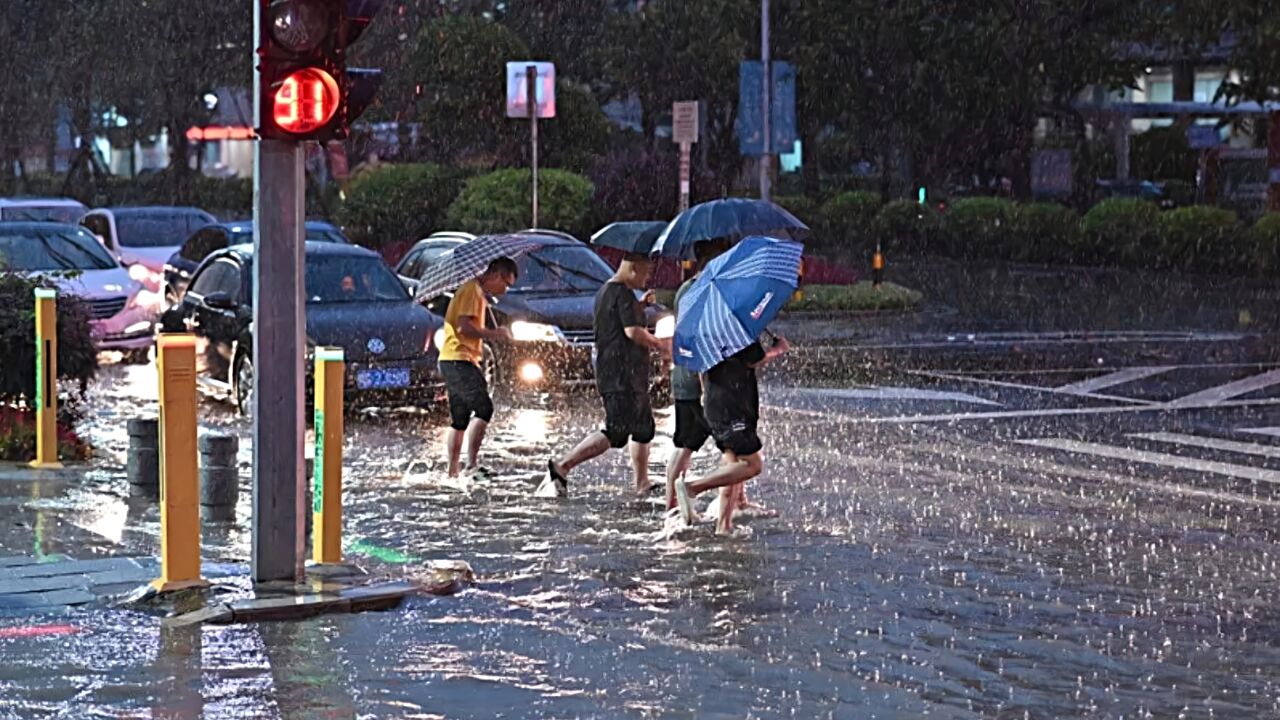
{"x":1212,"y":443}
{"x":1023,"y":386}
{"x":1119,"y":377}
{"x":1272,"y":431}
{"x":1215,"y":395}
{"x":1243,"y":472}
{"x":895,"y":393}
{"x":1053,"y":412}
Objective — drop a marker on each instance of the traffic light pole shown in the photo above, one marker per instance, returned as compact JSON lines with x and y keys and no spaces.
{"x":278,"y":330}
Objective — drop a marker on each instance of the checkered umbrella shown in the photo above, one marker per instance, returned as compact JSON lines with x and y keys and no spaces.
{"x":734,"y":300}
{"x":467,"y":261}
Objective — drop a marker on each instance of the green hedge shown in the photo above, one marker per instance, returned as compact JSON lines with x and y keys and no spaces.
{"x":850,"y":219}
{"x":500,"y":202}
{"x":1264,"y":236}
{"x":806,"y":209}
{"x":1120,"y":230}
{"x":981,"y":227}
{"x":397,"y":203}
{"x":77,"y":357}
{"x":908,"y":226}
{"x":1201,"y":237}
{"x":1046,"y":232}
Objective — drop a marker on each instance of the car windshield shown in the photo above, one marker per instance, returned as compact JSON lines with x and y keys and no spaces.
{"x":158,"y":229}
{"x":562,"y":267}
{"x":342,"y":278}
{"x":37,"y":250}
{"x":43,"y":213}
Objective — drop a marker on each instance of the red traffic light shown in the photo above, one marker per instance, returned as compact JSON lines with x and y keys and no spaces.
{"x":306,"y":101}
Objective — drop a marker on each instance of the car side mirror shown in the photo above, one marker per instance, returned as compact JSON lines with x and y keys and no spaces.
{"x":219,"y":301}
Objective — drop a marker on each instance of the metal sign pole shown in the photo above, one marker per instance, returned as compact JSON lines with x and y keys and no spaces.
{"x":766,"y":159}
{"x":531,"y":75}
{"x":684,"y":176}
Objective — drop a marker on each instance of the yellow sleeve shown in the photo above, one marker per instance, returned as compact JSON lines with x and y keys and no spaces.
{"x":471,"y":302}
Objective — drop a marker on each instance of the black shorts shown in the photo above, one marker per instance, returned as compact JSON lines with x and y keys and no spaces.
{"x":628,"y":416}
{"x":738,"y":437}
{"x":692,"y":430}
{"x":468,"y":393}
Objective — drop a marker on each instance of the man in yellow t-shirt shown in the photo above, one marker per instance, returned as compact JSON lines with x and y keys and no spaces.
{"x":470,"y":407}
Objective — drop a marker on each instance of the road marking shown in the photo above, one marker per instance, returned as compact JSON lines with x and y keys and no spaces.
{"x":1119,"y":377}
{"x":1243,"y":472}
{"x":1215,"y":395}
{"x":1032,"y":388}
{"x":1054,"y":412}
{"x":1272,"y":431}
{"x":895,"y":393}
{"x":1212,"y":443}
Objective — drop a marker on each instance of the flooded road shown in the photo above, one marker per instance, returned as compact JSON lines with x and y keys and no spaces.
{"x":915,"y":570}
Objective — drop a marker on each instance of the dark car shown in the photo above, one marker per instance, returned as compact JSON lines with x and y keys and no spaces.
{"x":353,"y":301}
{"x":550,"y":311}
{"x":183,"y":262}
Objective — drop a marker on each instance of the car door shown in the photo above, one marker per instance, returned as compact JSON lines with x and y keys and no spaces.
{"x":99,"y":222}
{"x":214,"y":308}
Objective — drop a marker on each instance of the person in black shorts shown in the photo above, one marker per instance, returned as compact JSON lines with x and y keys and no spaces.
{"x":731,"y":398}
{"x":622,"y":377}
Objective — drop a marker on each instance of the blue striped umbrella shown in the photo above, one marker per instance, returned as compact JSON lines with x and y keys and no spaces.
{"x":731,"y":219}
{"x":734,"y":300}
{"x":467,"y":261}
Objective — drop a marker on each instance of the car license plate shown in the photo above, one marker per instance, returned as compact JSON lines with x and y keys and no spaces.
{"x":382,"y":378}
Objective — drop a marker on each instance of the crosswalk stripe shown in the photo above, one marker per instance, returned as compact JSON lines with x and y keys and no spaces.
{"x":1119,"y":377}
{"x":1272,"y":431}
{"x":1243,"y":472}
{"x":1211,"y":443}
{"x":1215,"y":395}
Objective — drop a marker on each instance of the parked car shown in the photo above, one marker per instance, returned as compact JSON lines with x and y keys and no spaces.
{"x":353,"y":301}
{"x":143,"y":238}
{"x":550,"y":310}
{"x":183,"y":262}
{"x":34,"y":209}
{"x":122,"y":313}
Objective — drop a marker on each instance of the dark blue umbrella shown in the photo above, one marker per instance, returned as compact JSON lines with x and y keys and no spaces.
{"x":734,"y":300}
{"x":636,"y":236}
{"x":729,"y":218}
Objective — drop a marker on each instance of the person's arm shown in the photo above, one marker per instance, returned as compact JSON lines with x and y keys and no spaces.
{"x":636,"y":332}
{"x":468,"y":327}
{"x":776,"y":351}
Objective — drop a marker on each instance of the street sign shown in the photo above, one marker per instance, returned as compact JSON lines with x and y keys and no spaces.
{"x":684,"y":123}
{"x":518,"y":89}
{"x":782,"y":118}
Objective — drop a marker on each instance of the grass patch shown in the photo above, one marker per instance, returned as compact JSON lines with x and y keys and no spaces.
{"x":834,"y":298}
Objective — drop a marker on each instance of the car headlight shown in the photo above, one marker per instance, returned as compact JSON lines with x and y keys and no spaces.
{"x":146,"y":276}
{"x":523,"y":331}
{"x":437,"y":338}
{"x":666,"y":327}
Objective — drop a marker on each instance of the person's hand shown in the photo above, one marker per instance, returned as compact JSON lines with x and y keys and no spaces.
{"x":504,"y":334}
{"x":781,"y":345}
{"x":649,"y":298}
{"x":665,"y":348}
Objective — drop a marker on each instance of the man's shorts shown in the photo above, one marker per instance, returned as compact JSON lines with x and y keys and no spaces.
{"x":468,"y":393}
{"x":692,"y":430}
{"x":738,"y":437}
{"x":628,"y":416}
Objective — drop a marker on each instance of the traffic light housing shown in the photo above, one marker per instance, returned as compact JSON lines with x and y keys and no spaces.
{"x":305,"y":91}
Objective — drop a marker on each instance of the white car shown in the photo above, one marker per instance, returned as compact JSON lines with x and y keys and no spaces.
{"x":35,"y":209}
{"x":122,"y":312}
{"x":143,"y":238}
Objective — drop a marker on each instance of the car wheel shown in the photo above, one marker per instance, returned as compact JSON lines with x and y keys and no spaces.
{"x":242,"y":383}
{"x":490,"y":368}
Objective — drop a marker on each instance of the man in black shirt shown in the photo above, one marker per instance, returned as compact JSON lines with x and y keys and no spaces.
{"x":731,"y":397}
{"x":622,"y":378}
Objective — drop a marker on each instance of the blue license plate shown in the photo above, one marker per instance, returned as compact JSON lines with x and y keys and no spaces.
{"x":382,"y":378}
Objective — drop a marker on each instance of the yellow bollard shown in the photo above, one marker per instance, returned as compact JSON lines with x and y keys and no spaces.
{"x":46,"y":379}
{"x":326,"y":490}
{"x":179,"y":475}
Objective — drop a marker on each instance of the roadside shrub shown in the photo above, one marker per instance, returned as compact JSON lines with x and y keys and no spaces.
{"x":18,"y":437}
{"x":499,"y":202}
{"x":397,"y":203}
{"x":1264,"y":237}
{"x":980,"y":227}
{"x":908,"y":226}
{"x":850,"y":219}
{"x":1201,"y":237}
{"x":1119,"y":230}
{"x":806,"y":210}
{"x":1046,"y":232}
{"x":77,"y":357}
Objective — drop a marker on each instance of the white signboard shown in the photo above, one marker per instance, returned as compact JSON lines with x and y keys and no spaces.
{"x":518,"y":89}
{"x":684,"y":123}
